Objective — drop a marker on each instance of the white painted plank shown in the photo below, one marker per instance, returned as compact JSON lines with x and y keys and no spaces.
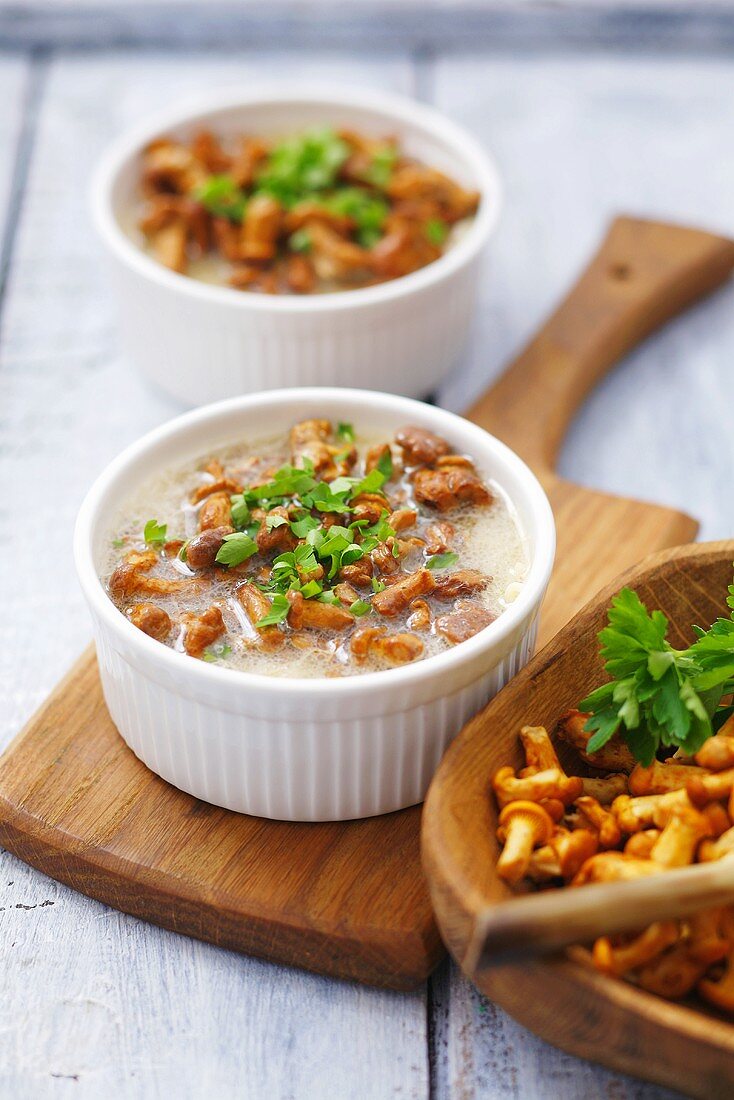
{"x":579,"y":140}
{"x":14,"y":76}
{"x":92,"y":1002}
{"x":480,"y":1053}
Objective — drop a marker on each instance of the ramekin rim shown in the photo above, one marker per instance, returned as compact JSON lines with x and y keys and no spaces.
{"x":237,"y":681}
{"x":129,"y":143}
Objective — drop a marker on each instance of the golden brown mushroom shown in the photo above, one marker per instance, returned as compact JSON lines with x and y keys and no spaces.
{"x":660,"y":778}
{"x":672,"y":974}
{"x":709,"y":850}
{"x":522,"y":826}
{"x":605,"y":788}
{"x":683,"y":828}
{"x":551,"y":783}
{"x":613,"y":757}
{"x":634,"y":814}
{"x":615,"y":867}
{"x":641,"y":844}
{"x":717,"y":754}
{"x":710,"y":935}
{"x":619,"y":959}
{"x":603,"y":821}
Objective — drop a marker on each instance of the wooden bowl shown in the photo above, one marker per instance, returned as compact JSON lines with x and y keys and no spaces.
{"x":566,"y":1002}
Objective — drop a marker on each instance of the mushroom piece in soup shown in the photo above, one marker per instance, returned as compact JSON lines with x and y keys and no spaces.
{"x":324,"y":551}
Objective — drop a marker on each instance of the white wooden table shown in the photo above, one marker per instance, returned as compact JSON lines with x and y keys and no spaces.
{"x":94,"y":1003}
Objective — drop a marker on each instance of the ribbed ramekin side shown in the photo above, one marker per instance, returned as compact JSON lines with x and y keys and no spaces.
{"x":310,"y":769}
{"x":200,"y":352}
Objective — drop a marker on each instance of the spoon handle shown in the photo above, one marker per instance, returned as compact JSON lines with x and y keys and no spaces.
{"x":537,"y":924}
{"x":644,"y":274}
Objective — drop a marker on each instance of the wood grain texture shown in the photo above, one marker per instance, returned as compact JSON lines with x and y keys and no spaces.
{"x":94,"y":1001}
{"x":571,"y":1005}
{"x":93,"y":994}
{"x":347,"y":899}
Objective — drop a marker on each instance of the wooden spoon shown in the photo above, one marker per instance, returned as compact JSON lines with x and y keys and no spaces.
{"x":482,"y":921}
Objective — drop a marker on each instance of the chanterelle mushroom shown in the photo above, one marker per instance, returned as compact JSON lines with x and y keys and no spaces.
{"x":522,"y":826}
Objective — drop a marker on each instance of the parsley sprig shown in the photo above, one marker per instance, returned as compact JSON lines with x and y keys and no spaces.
{"x":658,"y":695}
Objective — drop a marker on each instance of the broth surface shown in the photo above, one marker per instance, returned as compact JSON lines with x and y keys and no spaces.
{"x":484,"y":544}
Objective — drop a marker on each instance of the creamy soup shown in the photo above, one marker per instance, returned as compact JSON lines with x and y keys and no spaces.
{"x":312,"y":213}
{"x":325,"y":551}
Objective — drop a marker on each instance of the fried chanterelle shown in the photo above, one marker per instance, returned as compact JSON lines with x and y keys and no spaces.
{"x":625,"y":821}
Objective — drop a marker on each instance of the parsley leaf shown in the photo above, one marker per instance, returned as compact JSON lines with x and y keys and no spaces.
{"x":235,"y":549}
{"x":240,"y":511}
{"x":381,"y":166}
{"x":300,"y":241}
{"x":302,"y":165}
{"x":436,"y":231}
{"x":345,"y":432}
{"x":154,"y":532}
{"x":442,"y":561}
{"x":221,"y":196}
{"x":658,"y":695}
{"x":278,"y":612}
{"x":216,"y":652}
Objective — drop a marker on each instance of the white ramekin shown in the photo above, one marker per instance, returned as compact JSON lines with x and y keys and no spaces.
{"x":203,"y":343}
{"x":302,"y":749}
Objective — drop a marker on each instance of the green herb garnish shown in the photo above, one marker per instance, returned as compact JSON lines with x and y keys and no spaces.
{"x":377,"y":585}
{"x":274,"y":520}
{"x":240,"y":511}
{"x":436,"y":231}
{"x":300,"y":241}
{"x":235,"y":549}
{"x":154,"y":532}
{"x":658,"y":695}
{"x":360,"y":607}
{"x":442,"y":561}
{"x":303,"y":165}
{"x":216,"y":652}
{"x":345,"y":432}
{"x":117,"y":543}
{"x":278,"y":612}
{"x":221,"y":196}
{"x":381,"y":167}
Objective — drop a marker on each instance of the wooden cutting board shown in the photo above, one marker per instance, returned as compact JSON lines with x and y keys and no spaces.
{"x":347,"y":899}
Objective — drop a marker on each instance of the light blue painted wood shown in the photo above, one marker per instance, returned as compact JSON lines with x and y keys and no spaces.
{"x":92,"y":1002}
{"x":579,"y":140}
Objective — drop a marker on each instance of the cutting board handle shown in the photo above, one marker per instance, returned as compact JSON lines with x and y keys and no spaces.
{"x":643,"y":275}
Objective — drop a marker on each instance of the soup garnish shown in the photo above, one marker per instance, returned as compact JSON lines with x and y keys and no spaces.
{"x":321,"y":211}
{"x":319,"y":553}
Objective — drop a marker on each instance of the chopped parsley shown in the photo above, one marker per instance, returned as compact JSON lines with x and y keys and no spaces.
{"x":154,"y":532}
{"x":345,"y":432}
{"x":436,"y":231}
{"x":235,"y":549}
{"x":381,"y":167}
{"x":278,"y":612}
{"x":118,"y":543}
{"x":221,"y":196}
{"x":442,"y":561}
{"x":216,"y":652}
{"x":303,"y":165}
{"x":300,"y":241}
{"x":360,"y":607}
{"x":240,"y":511}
